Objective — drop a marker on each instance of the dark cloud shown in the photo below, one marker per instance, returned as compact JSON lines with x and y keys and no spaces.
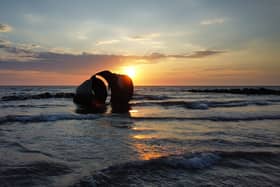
{"x":16,"y":51}
{"x":4,"y":43}
{"x":195,"y":54}
{"x":20,"y":57}
{"x":5,"y":28}
{"x":29,"y":59}
{"x":61,"y":63}
{"x":205,"y":53}
{"x":155,"y":56}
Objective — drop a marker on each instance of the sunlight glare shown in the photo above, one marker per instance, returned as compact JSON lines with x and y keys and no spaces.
{"x":130,"y":71}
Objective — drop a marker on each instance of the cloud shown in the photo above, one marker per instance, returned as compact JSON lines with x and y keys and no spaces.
{"x":14,"y":57}
{"x":107,"y":42}
{"x":144,"y":37}
{"x":29,"y":46}
{"x":65,"y":63}
{"x":195,"y":54}
{"x":17,"y":58}
{"x":19,"y":52}
{"x":213,"y":21}
{"x":21,"y":48}
{"x":5,"y":28}
{"x":4,"y":43}
{"x":205,"y":53}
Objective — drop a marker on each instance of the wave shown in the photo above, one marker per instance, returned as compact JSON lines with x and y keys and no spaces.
{"x":45,"y":118}
{"x":45,"y":95}
{"x":21,"y":148}
{"x":31,"y":174}
{"x":59,"y":117}
{"x":160,"y":168}
{"x":212,"y":118}
{"x":150,"y":97}
{"x":246,"y":91}
{"x":33,"y":106}
{"x":204,"y":105}
{"x":210,"y":141}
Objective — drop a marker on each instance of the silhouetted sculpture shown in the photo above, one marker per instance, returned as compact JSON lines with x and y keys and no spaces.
{"x":92,"y":93}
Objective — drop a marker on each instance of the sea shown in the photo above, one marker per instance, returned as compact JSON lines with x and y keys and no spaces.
{"x":169,"y":137}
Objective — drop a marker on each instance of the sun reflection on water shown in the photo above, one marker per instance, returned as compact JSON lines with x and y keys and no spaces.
{"x":147,"y":152}
{"x":133,"y":111}
{"x":142,"y":136}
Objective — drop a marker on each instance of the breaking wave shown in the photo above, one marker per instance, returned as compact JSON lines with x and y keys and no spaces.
{"x":213,"y":118}
{"x":33,"y":105}
{"x":127,"y":173}
{"x":149,"y":97}
{"x":48,"y":95}
{"x":45,"y":95}
{"x":209,"y":141}
{"x":204,"y":105}
{"x":246,"y":91}
{"x":45,"y":118}
{"x":58,"y":117}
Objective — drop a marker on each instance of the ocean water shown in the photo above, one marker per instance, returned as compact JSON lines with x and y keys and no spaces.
{"x":170,"y":137}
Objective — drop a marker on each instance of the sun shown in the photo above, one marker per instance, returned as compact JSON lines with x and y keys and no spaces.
{"x":130,"y":71}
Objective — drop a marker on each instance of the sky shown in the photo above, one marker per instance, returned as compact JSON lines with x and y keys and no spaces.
{"x":179,"y":42}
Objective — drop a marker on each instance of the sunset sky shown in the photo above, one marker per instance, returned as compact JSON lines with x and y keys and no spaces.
{"x":179,"y":42}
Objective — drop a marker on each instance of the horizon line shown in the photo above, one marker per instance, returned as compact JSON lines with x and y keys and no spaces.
{"x":57,"y":85}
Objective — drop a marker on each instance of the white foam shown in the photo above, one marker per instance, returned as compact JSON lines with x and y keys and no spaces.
{"x":46,"y":118}
{"x":199,"y":105}
{"x":198,"y":161}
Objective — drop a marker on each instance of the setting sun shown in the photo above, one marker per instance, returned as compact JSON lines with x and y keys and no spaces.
{"x":130,"y":71}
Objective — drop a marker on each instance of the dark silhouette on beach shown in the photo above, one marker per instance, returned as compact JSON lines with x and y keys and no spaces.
{"x":91,"y":95}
